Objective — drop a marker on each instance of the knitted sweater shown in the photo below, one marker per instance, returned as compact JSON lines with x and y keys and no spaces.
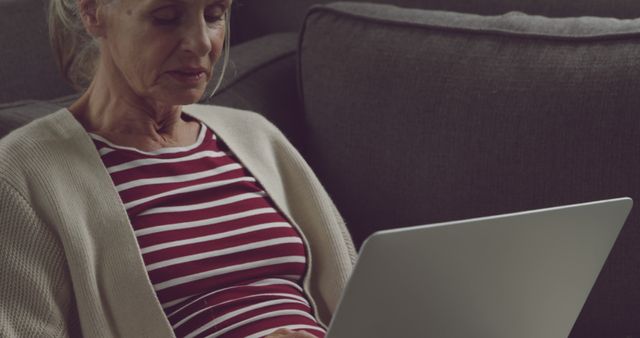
{"x":69,"y":260}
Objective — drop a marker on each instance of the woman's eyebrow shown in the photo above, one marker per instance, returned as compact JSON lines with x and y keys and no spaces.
{"x":157,"y":2}
{"x":226,"y":3}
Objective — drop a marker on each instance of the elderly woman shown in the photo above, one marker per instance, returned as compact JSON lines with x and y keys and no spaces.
{"x":136,"y":213}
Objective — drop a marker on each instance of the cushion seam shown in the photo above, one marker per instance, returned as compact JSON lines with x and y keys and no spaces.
{"x":479,"y":31}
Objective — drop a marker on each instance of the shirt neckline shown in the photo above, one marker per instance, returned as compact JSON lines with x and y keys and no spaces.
{"x":161,"y":151}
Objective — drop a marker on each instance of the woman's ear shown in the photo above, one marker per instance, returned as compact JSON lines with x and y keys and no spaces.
{"x":93,"y":22}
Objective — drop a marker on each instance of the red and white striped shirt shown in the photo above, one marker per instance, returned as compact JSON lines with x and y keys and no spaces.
{"x":224,"y":262}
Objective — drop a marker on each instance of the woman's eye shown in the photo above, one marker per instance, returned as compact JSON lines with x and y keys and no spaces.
{"x":166,"y":16}
{"x":214,"y":15}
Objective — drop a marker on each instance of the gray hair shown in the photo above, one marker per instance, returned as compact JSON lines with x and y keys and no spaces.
{"x":225,"y":55}
{"x":76,"y":52}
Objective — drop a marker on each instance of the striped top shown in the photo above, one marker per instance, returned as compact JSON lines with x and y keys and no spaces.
{"x":224,"y":262}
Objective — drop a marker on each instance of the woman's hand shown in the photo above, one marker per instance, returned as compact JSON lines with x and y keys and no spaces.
{"x":286,"y":333}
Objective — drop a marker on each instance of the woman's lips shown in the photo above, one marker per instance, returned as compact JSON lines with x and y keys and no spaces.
{"x":190,"y":77}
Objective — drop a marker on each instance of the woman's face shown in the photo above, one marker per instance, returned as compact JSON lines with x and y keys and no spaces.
{"x":164,"y":50}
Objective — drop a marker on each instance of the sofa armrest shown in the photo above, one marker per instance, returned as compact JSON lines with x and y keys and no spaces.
{"x":261,"y":77}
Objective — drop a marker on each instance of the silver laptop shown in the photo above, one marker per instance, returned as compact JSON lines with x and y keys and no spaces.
{"x":518,"y":275}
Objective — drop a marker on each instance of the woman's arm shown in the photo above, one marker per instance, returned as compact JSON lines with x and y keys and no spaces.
{"x":35,"y":292}
{"x":286,"y":333}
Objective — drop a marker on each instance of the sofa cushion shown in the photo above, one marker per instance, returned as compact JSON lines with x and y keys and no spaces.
{"x":28,"y":70}
{"x":261,"y":77}
{"x":17,"y":114}
{"x":418,"y":116}
{"x":253,"y":18}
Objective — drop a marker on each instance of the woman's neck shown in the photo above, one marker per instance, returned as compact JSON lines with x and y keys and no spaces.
{"x":118,"y":114}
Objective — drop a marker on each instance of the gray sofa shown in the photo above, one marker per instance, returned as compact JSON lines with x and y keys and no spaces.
{"x":425,"y":115}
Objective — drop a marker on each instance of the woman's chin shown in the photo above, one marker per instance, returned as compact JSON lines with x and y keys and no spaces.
{"x":173,"y":92}
{"x":183,"y":98}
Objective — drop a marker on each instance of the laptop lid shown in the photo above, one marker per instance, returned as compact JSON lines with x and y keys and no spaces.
{"x":524,"y":274}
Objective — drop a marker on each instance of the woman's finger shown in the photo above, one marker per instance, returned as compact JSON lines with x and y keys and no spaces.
{"x":286,"y":333}
{"x":279,"y":333}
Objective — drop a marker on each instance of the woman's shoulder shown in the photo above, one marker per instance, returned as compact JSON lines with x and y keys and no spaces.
{"x":248,"y":134}
{"x":231,"y":119}
{"x":40,"y":130}
{"x":31,"y":148}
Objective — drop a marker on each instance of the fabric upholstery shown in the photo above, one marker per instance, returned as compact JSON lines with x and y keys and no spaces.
{"x":27,"y":70}
{"x":17,"y":114}
{"x":261,"y":77}
{"x":253,"y":18}
{"x":417,"y":117}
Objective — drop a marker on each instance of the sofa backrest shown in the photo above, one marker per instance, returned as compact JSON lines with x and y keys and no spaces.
{"x":27,"y":70}
{"x":253,"y":18}
{"x":416,"y":116}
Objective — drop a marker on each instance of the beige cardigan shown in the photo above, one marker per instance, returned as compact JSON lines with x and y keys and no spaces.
{"x":69,"y":260}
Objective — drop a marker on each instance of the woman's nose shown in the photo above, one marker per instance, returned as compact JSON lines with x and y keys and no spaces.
{"x":197,"y":38}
